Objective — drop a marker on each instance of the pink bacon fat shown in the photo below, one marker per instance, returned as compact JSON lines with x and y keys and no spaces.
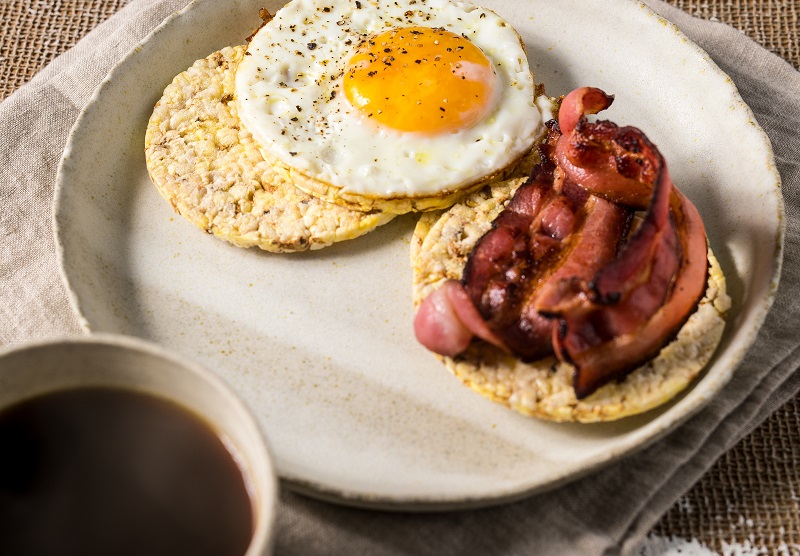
{"x":447,"y":321}
{"x":559,"y":271}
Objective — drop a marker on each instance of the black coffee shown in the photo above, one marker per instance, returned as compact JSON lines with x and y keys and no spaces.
{"x":104,"y":471}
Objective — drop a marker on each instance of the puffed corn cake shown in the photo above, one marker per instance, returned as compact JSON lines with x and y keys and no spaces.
{"x":362,"y":202}
{"x":207,"y":166}
{"x":440,"y":247}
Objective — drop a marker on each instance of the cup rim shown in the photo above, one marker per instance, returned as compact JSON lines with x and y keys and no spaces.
{"x":263,"y":528}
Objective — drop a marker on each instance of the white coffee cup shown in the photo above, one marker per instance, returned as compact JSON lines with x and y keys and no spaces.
{"x":120,"y":362}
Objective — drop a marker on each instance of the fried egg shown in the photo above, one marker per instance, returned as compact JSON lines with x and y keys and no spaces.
{"x":389,"y":100}
{"x":212,"y":173}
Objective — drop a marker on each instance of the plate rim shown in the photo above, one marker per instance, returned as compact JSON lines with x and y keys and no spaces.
{"x":421,"y":503}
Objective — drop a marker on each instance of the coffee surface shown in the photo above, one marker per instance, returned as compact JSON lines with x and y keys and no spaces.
{"x":105,"y":471}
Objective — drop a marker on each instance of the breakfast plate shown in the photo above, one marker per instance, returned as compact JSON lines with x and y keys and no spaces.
{"x":320,"y":344}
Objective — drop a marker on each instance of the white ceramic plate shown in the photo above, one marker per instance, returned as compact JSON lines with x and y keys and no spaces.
{"x":321,"y":344}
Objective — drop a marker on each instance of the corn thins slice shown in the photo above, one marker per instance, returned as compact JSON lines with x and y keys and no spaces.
{"x":211,"y":171}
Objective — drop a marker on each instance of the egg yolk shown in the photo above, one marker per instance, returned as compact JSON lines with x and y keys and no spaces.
{"x":419,"y":79}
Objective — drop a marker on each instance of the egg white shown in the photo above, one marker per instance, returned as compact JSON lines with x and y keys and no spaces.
{"x":289,"y":98}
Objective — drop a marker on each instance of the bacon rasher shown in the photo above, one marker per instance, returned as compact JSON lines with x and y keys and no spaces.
{"x":559,"y":270}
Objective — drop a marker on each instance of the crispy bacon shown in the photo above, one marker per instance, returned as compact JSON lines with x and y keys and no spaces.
{"x":551,"y":232}
{"x":634,"y":305}
{"x":517,"y":247}
{"x":557,"y":271}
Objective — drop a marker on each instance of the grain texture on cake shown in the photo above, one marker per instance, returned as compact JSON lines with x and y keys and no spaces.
{"x":207,"y":166}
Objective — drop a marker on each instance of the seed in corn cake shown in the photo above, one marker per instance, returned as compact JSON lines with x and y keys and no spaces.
{"x":207,"y":166}
{"x":441,"y":244}
{"x":394,"y":106}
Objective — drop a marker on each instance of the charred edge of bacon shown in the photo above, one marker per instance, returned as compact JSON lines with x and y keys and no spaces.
{"x":495,"y":278}
{"x":597,"y":355}
{"x":587,"y":299}
{"x":543,"y":171}
{"x":635,"y":250}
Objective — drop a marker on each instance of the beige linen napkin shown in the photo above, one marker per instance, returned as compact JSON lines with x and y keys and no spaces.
{"x":608,"y":512}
